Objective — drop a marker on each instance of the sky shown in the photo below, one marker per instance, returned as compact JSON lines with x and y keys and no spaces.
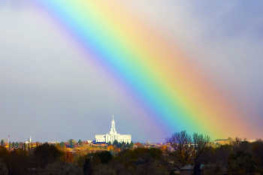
{"x":50,"y":91}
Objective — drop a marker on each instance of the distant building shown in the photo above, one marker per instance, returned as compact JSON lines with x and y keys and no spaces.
{"x":28,"y":141}
{"x":223,"y":141}
{"x":113,"y":136}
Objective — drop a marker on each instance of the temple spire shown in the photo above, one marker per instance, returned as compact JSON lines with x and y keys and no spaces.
{"x":113,"y":129}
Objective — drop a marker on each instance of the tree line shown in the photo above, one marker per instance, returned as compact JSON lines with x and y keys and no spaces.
{"x":185,"y":153}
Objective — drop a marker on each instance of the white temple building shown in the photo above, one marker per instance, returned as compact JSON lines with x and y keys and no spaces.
{"x":113,"y":135}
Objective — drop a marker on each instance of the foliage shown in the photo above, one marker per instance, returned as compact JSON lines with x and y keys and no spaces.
{"x":80,"y":142}
{"x":71,"y":143}
{"x":181,"y":142}
{"x":238,"y":157}
{"x":241,"y":162}
{"x":46,"y":154}
{"x":122,"y":145}
{"x":62,"y":144}
{"x":95,"y":159}
{"x":257,"y":153}
{"x":2,"y":142}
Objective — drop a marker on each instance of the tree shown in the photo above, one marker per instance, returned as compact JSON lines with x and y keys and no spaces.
{"x":94,"y":160}
{"x":72,"y":143}
{"x":257,"y":151}
{"x":87,"y":167}
{"x":140,"y":161}
{"x":46,"y":154}
{"x":62,"y":144}
{"x":104,"y":156}
{"x":63,"y":168}
{"x":3,"y":153}
{"x":115,"y":143}
{"x":200,"y":143}
{"x":183,"y":150}
{"x":16,"y":145}
{"x":188,"y":150}
{"x":18,"y":163}
{"x":2,"y":142}
{"x":80,"y":142}
{"x":241,"y":162}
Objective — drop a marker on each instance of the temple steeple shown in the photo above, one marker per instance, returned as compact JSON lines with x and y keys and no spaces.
{"x":113,"y":129}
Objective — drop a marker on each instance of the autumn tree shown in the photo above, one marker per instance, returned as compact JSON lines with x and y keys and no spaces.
{"x":46,"y":154}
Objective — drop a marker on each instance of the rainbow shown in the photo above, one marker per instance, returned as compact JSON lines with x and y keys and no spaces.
{"x":157,"y":74}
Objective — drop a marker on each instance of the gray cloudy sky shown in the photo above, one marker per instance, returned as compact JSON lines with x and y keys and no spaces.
{"x":49,"y":91}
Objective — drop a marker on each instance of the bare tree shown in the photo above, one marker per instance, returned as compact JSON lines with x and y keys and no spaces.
{"x":188,"y":150}
{"x":183,"y":149}
{"x":200,"y":143}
